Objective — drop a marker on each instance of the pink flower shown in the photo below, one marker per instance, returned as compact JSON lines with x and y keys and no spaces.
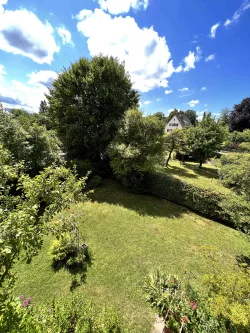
{"x":185,"y":319}
{"x":193,"y":305}
{"x":171,"y":281}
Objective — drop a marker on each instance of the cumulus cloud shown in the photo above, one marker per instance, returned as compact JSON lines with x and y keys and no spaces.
{"x":203,"y":89}
{"x":192,"y":58}
{"x":147,"y":102}
{"x":2,"y":3}
{"x":183,"y":89}
{"x":146,"y":54}
{"x":65,"y":35}
{"x":21,"y":32}
{"x":167,"y":92}
{"x":122,"y":6}
{"x":205,"y":104}
{"x":193,"y":103}
{"x":210,"y":57}
{"x":245,"y":5}
{"x":213,"y":30}
{"x":42,"y":78}
{"x":16,"y":94}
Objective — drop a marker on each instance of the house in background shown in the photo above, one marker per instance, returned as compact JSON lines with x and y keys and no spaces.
{"x":177,"y":122}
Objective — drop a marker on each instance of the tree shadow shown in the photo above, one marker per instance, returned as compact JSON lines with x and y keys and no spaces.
{"x":204,"y":171}
{"x":179,"y":171}
{"x":77,"y":271}
{"x":243,"y":261}
{"x":143,"y":204}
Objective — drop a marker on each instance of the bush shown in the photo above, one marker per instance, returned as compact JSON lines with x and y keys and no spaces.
{"x":82,"y":166}
{"x":72,"y":316}
{"x":202,"y":201}
{"x":95,"y":181}
{"x":244,"y":147}
{"x":62,"y":249}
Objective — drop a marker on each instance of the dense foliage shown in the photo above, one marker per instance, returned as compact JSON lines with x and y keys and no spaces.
{"x":175,"y":140}
{"x":86,"y":103}
{"x":235,"y":173}
{"x":206,"y":138}
{"x":65,"y":316}
{"x":137,"y":147}
{"x":240,"y":116}
{"x":181,"y":307}
{"x":203,"y":201}
{"x":28,"y":142}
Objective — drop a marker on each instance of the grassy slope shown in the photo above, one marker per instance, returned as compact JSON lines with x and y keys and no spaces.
{"x":129,"y":235}
{"x":207,"y":177}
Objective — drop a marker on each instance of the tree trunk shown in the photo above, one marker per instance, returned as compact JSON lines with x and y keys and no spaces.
{"x":169,"y":156}
{"x":200,"y":166}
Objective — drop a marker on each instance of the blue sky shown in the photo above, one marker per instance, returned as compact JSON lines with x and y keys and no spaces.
{"x":180,"y":54}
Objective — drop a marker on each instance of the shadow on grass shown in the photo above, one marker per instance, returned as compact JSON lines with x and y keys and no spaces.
{"x":77,"y":271}
{"x":143,"y":204}
{"x":204,"y":171}
{"x":243,"y":261}
{"x":180,"y":171}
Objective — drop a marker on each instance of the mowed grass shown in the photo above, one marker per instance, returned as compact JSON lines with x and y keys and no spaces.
{"x":130,"y":235}
{"x":206,"y":177}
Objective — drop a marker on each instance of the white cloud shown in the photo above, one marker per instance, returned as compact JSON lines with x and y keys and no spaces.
{"x":205,"y":104}
{"x":21,"y":32}
{"x":2,"y":70}
{"x":146,"y":54}
{"x":213,"y":30}
{"x":191,"y":59}
{"x":158,"y":99}
{"x":167,"y":92}
{"x":65,"y":35}
{"x":122,"y":6}
{"x":203,"y":89}
{"x":2,"y":2}
{"x":183,"y":89}
{"x":245,"y":5}
{"x":42,"y":78}
{"x":210,"y":57}
{"x":170,"y":110}
{"x":147,"y":102}
{"x":178,"y":69}
{"x":193,"y":103}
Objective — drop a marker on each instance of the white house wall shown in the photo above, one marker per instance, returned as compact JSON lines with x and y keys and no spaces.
{"x":173,"y":124}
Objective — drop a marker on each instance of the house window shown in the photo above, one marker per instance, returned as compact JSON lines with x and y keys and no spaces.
{"x":169,"y":130}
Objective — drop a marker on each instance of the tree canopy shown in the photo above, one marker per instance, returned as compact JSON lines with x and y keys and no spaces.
{"x":206,"y":138}
{"x":240,"y":116}
{"x":86,"y":103}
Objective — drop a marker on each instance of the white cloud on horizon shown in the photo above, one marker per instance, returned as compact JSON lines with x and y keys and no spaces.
{"x":65,"y":35}
{"x":210,"y":57}
{"x":193,"y":103}
{"x":167,"y":92}
{"x":21,"y":32}
{"x":244,"y":6}
{"x":122,"y":6}
{"x":213,"y":30}
{"x":146,"y":54}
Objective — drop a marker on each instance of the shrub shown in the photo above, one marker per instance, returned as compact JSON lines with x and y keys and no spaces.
{"x":203,"y":201}
{"x":72,"y":316}
{"x":95,"y":181}
{"x":62,"y":248}
{"x":244,"y":147}
{"x":182,"y":309}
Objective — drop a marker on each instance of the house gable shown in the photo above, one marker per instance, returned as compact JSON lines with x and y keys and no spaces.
{"x":174,"y":123}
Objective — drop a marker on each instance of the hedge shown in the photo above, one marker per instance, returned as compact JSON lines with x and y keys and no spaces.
{"x":203,"y":201}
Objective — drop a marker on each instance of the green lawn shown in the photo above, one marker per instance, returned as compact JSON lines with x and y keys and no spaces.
{"x":207,"y":177}
{"x":129,"y":235}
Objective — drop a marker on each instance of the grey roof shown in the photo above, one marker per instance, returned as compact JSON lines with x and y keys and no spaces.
{"x":184,"y":120}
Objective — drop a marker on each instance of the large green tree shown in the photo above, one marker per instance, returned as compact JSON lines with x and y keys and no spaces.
{"x":206,"y":138}
{"x":239,"y":119}
{"x":192,"y":116}
{"x":86,"y":103}
{"x":137,"y":147}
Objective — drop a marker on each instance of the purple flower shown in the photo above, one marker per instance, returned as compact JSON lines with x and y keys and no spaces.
{"x":21,"y":297}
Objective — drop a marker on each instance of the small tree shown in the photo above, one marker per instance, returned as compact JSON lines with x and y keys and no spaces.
{"x":206,"y":138}
{"x":137,"y":147}
{"x":175,"y":140}
{"x":225,"y":116}
{"x":240,"y":116}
